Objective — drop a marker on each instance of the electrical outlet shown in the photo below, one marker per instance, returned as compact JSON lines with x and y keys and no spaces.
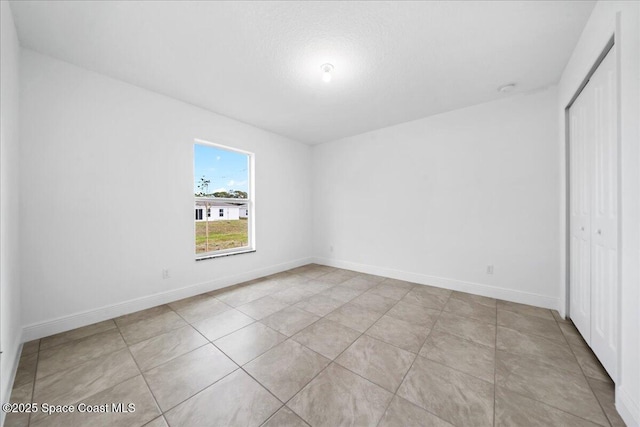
{"x":165,"y":273}
{"x":330,"y":248}
{"x":489,"y":269}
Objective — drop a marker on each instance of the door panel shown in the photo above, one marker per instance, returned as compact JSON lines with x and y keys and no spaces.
{"x":604,"y":218}
{"x":580,"y":214}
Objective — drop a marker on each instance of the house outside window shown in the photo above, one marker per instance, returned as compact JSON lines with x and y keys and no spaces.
{"x":223,"y":181}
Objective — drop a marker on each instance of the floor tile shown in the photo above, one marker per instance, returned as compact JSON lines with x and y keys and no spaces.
{"x":131,"y":318}
{"x":326,"y":337}
{"x":310,"y":271}
{"x":289,"y":280}
{"x":374,"y":326}
{"x":573,"y":337}
{"x":461,"y":354}
{"x":151,"y":326}
{"x":134,"y":391}
{"x":338,"y":276}
{"x":433,"y":290}
{"x":76,"y":334}
{"x":379,"y":362}
{"x":514,"y":410}
{"x":454,"y":396}
{"x":285,"y":417}
{"x":262,"y":307}
{"x":227,"y":290}
{"x":249,"y":342}
{"x":408,"y":336}
{"x":402,"y":413}
{"x":269,"y":286}
{"x":559,"y":388}
{"x":605,"y":393}
{"x":413,"y":313}
{"x":571,"y":333}
{"x":528,"y":310}
{"x":241,"y":296}
{"x":471,"y":309}
{"x":317,"y":285}
{"x":421,"y":297}
{"x":374,"y":302}
{"x":589,"y":363}
{"x":341,"y":293}
{"x":337,"y":397}
{"x":86,"y":379}
{"x":19,"y":394}
{"x":290,"y":320}
{"x":184,"y":376}
{"x":65,"y":356}
{"x":235,"y":400}
{"x":319,"y":305}
{"x":540,"y":348}
{"x":398,"y":283}
{"x":478,"y":299}
{"x":559,"y":318}
{"x":158,"y":422}
{"x":360,"y":283}
{"x":293,"y":295}
{"x":199,"y":307}
{"x":30,"y":347}
{"x":286,"y":368}
{"x":390,"y":291}
{"x":162,"y":348}
{"x":223,"y":324}
{"x":26,"y":371}
{"x":530,"y":324}
{"x":463,"y":327}
{"x":354,"y":317}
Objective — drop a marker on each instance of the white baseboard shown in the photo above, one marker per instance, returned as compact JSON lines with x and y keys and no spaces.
{"x":453,"y":284}
{"x":66,"y":323}
{"x":627,"y":408}
{"x":8,"y":386}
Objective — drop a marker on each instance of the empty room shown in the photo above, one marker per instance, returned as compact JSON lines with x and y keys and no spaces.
{"x":319,"y":213}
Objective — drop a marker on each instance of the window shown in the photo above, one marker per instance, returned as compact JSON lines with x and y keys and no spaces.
{"x":223,"y":182}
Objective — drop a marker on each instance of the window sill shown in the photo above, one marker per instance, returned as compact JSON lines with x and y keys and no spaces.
{"x":224,"y":254}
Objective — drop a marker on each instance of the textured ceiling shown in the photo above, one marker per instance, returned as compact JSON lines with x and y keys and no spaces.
{"x":259,"y":62}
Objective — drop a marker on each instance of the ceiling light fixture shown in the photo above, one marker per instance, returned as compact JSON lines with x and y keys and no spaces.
{"x":507,"y":88}
{"x":326,"y":72}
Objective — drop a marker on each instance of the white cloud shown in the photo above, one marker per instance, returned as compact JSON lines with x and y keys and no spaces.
{"x":219,"y":189}
{"x":233,"y":183}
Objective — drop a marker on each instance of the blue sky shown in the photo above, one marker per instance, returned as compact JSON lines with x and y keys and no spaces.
{"x":227,"y":170}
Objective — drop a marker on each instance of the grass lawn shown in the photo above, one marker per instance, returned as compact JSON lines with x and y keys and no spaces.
{"x":222,"y":235}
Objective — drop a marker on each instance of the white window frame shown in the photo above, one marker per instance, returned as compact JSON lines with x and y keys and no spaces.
{"x":250,"y":202}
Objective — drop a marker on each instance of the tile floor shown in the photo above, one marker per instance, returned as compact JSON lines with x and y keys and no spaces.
{"x":323,"y":347}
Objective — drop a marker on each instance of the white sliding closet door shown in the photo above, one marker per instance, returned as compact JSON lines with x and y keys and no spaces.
{"x":604,"y":216}
{"x":594,"y":213}
{"x":581,"y":143}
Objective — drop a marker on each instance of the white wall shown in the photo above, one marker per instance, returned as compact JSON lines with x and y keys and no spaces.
{"x":622,"y":19}
{"x":10,"y":322}
{"x":471,"y":187}
{"x":92,"y":147}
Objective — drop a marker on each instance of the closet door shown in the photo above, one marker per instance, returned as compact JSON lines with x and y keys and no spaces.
{"x":580,"y":148}
{"x":604,"y":216}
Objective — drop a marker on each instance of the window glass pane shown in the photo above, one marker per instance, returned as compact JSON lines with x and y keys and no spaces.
{"x":220,"y":174}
